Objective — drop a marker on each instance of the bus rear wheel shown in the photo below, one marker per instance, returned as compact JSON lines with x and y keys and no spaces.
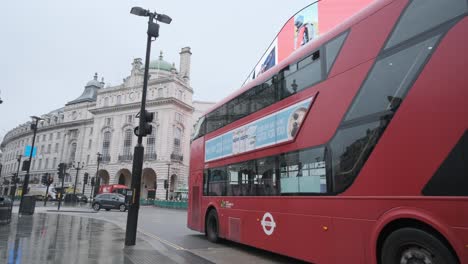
{"x":212,"y":227}
{"x":414,"y":246}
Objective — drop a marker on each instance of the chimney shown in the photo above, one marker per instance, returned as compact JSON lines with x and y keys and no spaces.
{"x":185,"y":63}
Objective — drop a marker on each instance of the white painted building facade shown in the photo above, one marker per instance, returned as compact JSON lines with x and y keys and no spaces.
{"x":103,"y":119}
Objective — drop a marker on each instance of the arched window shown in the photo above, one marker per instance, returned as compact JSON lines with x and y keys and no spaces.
{"x":160,"y":92}
{"x":127,"y":142}
{"x":106,"y":101}
{"x":106,"y":144}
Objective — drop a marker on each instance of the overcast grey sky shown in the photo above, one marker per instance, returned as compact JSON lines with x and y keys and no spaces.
{"x":50,"y":49}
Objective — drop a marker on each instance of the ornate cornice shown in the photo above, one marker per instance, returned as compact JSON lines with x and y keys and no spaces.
{"x":152,"y":82}
{"x":137,"y":105}
{"x":48,"y":128}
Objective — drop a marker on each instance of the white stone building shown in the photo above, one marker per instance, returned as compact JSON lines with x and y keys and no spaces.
{"x":103,"y":119}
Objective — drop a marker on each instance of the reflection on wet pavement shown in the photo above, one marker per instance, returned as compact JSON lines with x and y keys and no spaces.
{"x":54,"y":238}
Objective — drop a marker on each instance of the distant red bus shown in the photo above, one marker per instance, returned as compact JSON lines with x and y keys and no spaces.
{"x":114,"y":188}
{"x":351,"y":150}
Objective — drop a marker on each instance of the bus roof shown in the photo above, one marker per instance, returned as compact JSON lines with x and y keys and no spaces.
{"x":309,"y":47}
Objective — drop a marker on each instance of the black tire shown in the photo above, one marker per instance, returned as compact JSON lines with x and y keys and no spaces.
{"x":212,"y":226}
{"x":408,"y":244}
{"x":122,"y":208}
{"x":96,"y":207}
{"x":107,"y":209}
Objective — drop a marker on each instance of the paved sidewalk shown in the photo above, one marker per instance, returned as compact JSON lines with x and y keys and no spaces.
{"x":56,"y":238}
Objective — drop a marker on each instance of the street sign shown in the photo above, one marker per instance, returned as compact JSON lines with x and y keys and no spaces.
{"x":27,"y":151}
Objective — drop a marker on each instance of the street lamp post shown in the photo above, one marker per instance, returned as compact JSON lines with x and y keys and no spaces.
{"x":144,"y":128}
{"x":98,"y":179}
{"x":26,"y":177}
{"x":1,"y":167}
{"x":77,"y":167}
{"x":93,"y":182}
{"x":168,"y":180}
{"x":85,"y":181}
{"x":15,"y":178}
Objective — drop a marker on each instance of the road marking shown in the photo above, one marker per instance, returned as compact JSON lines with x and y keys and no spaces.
{"x":161,"y":240}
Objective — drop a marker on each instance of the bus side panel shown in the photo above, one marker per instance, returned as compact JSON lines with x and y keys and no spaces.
{"x":327,"y":111}
{"x":350,"y":235}
{"x":428,"y":124}
{"x":194,"y":212}
{"x":307,"y":237}
{"x":197,"y":150}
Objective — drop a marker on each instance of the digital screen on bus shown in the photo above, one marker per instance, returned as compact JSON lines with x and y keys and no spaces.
{"x":303,"y":27}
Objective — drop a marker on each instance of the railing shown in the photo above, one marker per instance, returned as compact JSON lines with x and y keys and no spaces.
{"x":151,"y":156}
{"x":126,"y":157}
{"x":177,"y":157}
{"x":105,"y":158}
{"x":168,"y":204}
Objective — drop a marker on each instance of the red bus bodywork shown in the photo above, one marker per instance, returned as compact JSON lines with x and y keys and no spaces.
{"x":113,"y":188}
{"x":349,"y":226}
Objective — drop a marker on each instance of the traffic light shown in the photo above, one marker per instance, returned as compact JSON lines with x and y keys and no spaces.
{"x":25,"y":165}
{"x":44,"y":179}
{"x":147,"y":127}
{"x":166,"y":184}
{"x":85,"y":178}
{"x":61,"y":170}
{"x":92,"y":181}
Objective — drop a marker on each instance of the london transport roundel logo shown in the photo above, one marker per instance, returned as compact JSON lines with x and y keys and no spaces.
{"x":268,"y":223}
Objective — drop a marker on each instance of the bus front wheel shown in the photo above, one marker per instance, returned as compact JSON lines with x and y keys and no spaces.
{"x":411,"y":245}
{"x":212,"y":227}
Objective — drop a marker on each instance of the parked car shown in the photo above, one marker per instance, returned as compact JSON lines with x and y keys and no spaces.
{"x":110,"y":201}
{"x":5,"y":209}
{"x":75,"y":198}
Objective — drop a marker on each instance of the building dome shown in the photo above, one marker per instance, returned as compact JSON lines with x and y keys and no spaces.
{"x":160,"y":64}
{"x":95,"y":82}
{"x":90,"y":92}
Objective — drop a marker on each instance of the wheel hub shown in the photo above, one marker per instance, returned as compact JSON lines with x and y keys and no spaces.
{"x":416,"y":255}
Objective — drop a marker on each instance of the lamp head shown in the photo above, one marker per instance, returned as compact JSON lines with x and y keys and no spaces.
{"x":138,"y":11}
{"x":164,"y":18}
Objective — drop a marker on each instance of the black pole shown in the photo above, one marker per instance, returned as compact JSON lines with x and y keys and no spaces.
{"x":84,"y":185}
{"x":98,"y":179}
{"x":13,"y":190}
{"x":3,"y":188}
{"x":132,"y":217}
{"x":61,"y":190}
{"x":15,"y":179}
{"x":26,"y":177}
{"x":76,"y":177}
{"x":47,"y":194}
{"x":168,"y":180}
{"x":91,"y":195}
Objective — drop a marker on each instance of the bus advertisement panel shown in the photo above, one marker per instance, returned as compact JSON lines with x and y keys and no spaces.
{"x":275,"y":128}
{"x":306,"y":25}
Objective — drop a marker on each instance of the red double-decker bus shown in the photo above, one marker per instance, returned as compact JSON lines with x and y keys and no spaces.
{"x":352,"y":150}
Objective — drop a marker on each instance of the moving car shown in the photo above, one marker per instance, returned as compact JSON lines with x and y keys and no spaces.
{"x":75,"y":198}
{"x":110,"y":201}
